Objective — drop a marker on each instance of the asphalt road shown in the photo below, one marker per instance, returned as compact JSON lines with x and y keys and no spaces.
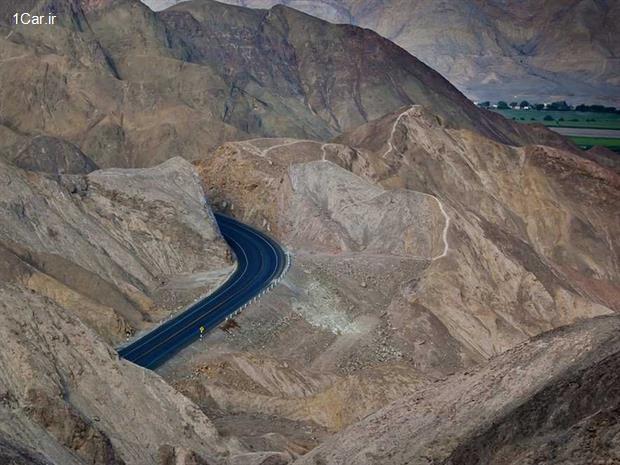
{"x":260,"y":261}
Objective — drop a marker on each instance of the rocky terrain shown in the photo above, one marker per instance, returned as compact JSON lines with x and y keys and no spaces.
{"x":437,"y":248}
{"x":553,"y":400}
{"x":120,"y":248}
{"x":495,"y":50}
{"x":66,"y":399}
{"x":131,"y":88}
{"x":480,"y":246}
{"x":86,"y":260}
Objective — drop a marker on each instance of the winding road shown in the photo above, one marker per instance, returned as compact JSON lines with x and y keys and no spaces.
{"x":260,"y":263}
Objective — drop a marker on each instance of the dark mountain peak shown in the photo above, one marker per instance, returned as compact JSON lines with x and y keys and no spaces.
{"x":124,"y":75}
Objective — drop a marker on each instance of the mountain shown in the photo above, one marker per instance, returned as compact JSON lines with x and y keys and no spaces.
{"x":98,"y":242}
{"x":129,"y":87}
{"x":86,"y":260}
{"x":493,"y":50}
{"x":429,"y":239}
{"x":420,"y":252}
{"x":554,"y":400}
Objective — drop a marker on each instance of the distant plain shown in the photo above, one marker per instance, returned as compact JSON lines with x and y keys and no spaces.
{"x":610,"y":122}
{"x":567,"y":119}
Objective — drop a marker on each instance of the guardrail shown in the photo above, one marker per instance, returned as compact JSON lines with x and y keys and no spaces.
{"x":274,"y":283}
{"x":175,"y":332}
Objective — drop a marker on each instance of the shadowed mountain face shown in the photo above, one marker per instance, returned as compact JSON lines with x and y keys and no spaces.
{"x":129,"y":87}
{"x":493,"y":49}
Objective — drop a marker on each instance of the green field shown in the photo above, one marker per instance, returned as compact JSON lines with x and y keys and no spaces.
{"x":589,"y":142}
{"x":571,"y":119}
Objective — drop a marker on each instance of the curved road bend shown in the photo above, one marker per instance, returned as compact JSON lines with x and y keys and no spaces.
{"x":260,"y":260}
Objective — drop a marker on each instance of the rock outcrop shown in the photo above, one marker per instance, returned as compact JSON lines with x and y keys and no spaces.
{"x":122,"y":249}
{"x":493,"y":49}
{"x":419,"y":250}
{"x":553,"y":400}
{"x":66,"y":395}
{"x":50,"y":155}
{"x":86,"y":260}
{"x":132,"y":88}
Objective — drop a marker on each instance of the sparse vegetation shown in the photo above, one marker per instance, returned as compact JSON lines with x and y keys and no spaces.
{"x":562,"y":115}
{"x":604,"y":117}
{"x":589,"y":142}
{"x":571,"y":119}
{"x":596,"y":108}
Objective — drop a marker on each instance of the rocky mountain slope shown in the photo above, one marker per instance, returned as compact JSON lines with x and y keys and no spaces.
{"x":120,"y":248}
{"x":86,"y":260}
{"x":68,"y":400}
{"x":553,"y":400}
{"x":428,"y":238}
{"x":128,"y":87}
{"x":419,"y":251}
{"x":496,"y":49}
